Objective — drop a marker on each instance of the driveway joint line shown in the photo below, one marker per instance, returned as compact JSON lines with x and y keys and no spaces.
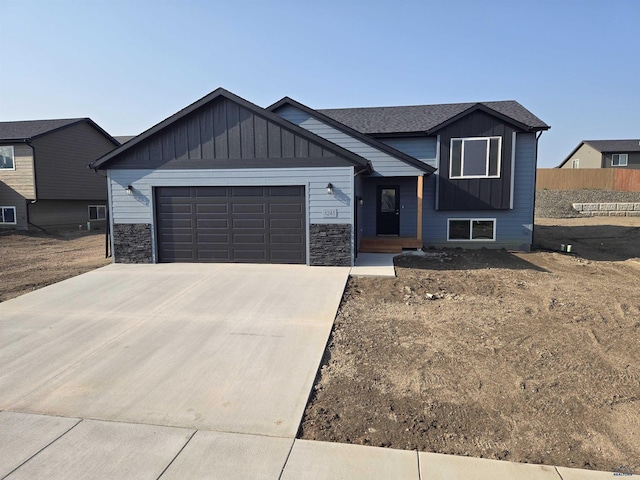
{"x":286,"y":460}
{"x":556,"y":469}
{"x":44,"y":448}
{"x":176,"y":455}
{"x":418,"y":457}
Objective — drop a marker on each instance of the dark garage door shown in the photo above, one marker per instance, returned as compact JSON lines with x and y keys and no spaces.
{"x":231,"y":224}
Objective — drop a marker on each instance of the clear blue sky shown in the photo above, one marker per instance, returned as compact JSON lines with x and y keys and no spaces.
{"x":128,"y":64}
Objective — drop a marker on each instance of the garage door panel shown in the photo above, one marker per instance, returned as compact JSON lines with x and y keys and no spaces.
{"x":231,"y":224}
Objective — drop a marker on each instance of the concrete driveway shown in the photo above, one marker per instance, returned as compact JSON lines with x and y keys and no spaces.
{"x":231,"y":348}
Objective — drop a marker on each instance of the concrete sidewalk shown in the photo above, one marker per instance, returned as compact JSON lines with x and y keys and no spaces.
{"x":38,"y":447}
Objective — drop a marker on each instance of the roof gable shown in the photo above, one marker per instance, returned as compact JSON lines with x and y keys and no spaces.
{"x":224,"y":130}
{"x":429,"y":118}
{"x":26,"y":130}
{"x":606,"y":146}
{"x":403,"y":157}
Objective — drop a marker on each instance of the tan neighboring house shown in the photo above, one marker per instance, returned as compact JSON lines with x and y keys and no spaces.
{"x":604,"y":154}
{"x":44,"y":179}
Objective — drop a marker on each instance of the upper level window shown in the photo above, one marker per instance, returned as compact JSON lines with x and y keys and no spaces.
{"x":6,"y":158}
{"x":619,"y":160}
{"x":576,"y":163}
{"x":8,"y":215}
{"x":475,"y":157}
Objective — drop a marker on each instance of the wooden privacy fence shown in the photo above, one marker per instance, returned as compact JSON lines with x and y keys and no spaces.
{"x":617,"y":179}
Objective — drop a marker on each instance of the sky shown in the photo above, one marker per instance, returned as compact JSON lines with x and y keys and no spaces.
{"x":129,"y":64}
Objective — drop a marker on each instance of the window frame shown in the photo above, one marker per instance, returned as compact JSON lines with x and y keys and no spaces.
{"x":15,"y":216}
{"x":13,"y":157}
{"x":97,"y":207}
{"x":471,"y":220}
{"x":462,"y":176}
{"x":575,"y":163}
{"x":620,"y":155}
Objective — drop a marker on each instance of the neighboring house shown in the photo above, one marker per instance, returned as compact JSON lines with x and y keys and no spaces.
{"x":44,"y":179}
{"x":224,"y":180}
{"x":604,"y":154}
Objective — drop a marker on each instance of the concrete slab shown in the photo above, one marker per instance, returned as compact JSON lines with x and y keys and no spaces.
{"x":23,"y":435}
{"x":99,"y":450}
{"x":230,"y":456}
{"x":580,"y":474}
{"x":332,"y":461}
{"x":435,"y":466}
{"x":374,"y":265}
{"x":227,"y":347}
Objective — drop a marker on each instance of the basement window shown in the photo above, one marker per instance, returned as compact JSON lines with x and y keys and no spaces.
{"x":471,"y":229}
{"x":97,"y":212}
{"x":475,"y":157}
{"x":619,"y":160}
{"x":7,"y":161}
{"x":8,"y":215}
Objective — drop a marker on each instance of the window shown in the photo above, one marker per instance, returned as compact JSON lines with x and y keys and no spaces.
{"x":6,"y":158}
{"x":97,"y":212}
{"x":575,"y":163}
{"x":8,"y":215}
{"x":619,"y":159}
{"x":475,"y":157}
{"x":471,"y":229}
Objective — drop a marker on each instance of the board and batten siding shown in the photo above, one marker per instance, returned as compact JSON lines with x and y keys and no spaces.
{"x":514,"y":227}
{"x":383,"y":164}
{"x":422,"y":148}
{"x":138,"y":208}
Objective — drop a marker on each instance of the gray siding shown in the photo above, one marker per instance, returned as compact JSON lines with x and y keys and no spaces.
{"x":383,"y":163}
{"x":65,"y":214}
{"x":60,"y":163}
{"x":422,"y":148}
{"x":138,"y":208}
{"x":224,"y":135}
{"x":633,"y":160}
{"x":514,"y":227}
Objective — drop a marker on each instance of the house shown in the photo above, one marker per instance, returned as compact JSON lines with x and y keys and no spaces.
{"x":224,"y":180}
{"x":604,"y":154}
{"x":44,"y":179}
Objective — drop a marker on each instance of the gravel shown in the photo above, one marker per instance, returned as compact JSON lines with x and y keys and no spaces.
{"x":557,"y":203}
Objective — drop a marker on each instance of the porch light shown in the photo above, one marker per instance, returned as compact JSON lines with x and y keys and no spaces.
{"x":129,"y":190}
{"x":360,"y":201}
{"x":329,"y":188}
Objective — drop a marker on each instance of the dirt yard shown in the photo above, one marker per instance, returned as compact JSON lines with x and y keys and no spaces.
{"x":523,"y":357}
{"x":34,"y":260}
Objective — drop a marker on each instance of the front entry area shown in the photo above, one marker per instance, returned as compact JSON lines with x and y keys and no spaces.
{"x":388,"y":210}
{"x":262,"y":224}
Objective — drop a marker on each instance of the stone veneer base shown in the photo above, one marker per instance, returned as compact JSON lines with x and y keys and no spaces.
{"x":132,"y":243}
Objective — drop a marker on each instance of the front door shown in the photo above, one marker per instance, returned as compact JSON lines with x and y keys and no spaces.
{"x":388,"y":211}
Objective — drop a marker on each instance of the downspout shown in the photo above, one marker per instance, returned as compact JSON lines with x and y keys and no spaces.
{"x":35,"y":186}
{"x":535,"y":181}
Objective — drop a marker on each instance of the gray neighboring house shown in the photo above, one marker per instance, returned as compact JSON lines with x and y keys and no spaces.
{"x":44,"y":179}
{"x":224,"y":180}
{"x":604,"y":154}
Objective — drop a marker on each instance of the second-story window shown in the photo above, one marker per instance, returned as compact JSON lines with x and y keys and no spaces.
{"x":619,"y":160}
{"x":6,"y":158}
{"x":475,"y":157}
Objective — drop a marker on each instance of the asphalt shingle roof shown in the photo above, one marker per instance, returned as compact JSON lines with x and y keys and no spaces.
{"x":24,"y":130}
{"x":606,"y":146}
{"x":422,"y":118}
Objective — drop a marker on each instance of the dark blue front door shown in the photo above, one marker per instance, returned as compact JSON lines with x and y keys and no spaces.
{"x":388,"y":210}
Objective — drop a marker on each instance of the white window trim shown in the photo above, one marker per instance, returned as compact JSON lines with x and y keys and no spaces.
{"x":15,"y":217}
{"x":620,"y":156}
{"x":488,"y":139}
{"x":471,"y":220}
{"x":13,"y":157}
{"x":89,"y":207}
{"x":575,"y":163}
